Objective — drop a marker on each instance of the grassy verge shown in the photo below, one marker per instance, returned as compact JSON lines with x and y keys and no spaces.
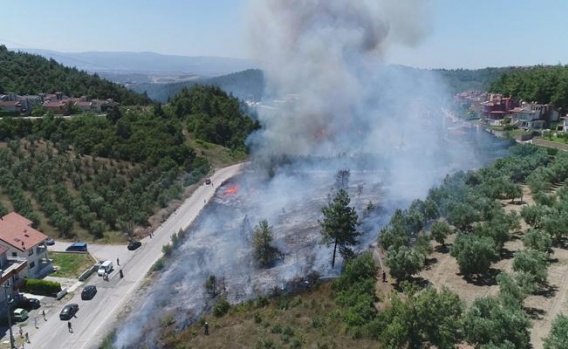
{"x":70,"y":265}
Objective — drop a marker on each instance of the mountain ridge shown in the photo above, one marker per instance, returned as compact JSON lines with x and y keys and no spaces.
{"x":146,"y":62}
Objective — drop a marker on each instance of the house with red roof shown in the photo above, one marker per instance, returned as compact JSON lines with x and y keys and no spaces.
{"x":25,"y":243}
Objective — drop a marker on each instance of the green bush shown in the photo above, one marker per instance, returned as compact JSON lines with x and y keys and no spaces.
{"x":41,"y":287}
{"x":159,"y":265}
{"x":221,"y":308}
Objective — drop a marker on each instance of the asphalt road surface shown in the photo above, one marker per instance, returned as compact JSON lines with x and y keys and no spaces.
{"x":97,"y":317}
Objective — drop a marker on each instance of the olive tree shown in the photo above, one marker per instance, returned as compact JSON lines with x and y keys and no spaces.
{"x":558,"y":336}
{"x":474,"y":253}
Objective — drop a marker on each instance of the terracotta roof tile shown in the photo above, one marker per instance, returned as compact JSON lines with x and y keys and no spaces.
{"x":16,"y":231}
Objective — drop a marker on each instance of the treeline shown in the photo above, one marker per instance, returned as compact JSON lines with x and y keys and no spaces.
{"x":24,"y":73}
{"x":459,"y":80}
{"x":541,"y":84}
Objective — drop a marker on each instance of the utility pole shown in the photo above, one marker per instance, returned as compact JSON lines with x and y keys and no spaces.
{"x":9,"y":316}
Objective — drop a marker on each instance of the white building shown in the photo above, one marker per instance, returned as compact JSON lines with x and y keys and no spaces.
{"x":25,"y":243}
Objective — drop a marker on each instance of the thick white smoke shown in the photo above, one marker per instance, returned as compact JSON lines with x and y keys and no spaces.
{"x":328,"y":53}
{"x":324,"y":58}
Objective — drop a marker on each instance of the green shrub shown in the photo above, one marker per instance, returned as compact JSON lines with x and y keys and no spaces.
{"x":257,"y":318}
{"x":262,"y":302}
{"x":159,"y":265}
{"x":221,"y":308}
{"x":276,"y":329}
{"x":41,"y":287}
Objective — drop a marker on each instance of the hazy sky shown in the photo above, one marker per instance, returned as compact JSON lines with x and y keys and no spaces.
{"x":463,"y":33}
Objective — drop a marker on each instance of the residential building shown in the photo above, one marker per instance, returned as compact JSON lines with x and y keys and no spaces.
{"x":564,"y":123}
{"x":534,"y":116}
{"x":26,"y":243}
{"x":12,"y":277}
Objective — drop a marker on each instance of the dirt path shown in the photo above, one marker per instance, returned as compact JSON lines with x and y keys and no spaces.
{"x":547,"y":307}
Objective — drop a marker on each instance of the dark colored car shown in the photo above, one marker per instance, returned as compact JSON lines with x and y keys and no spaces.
{"x":69,"y":311}
{"x":77,"y":246}
{"x":50,"y":242}
{"x":20,"y":301}
{"x":132,"y":245}
{"x":30,"y":303}
{"x":208,"y":181}
{"x":88,"y":292}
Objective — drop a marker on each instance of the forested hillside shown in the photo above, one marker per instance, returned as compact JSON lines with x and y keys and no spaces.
{"x":25,"y":73}
{"x":96,"y":177}
{"x":541,"y":84}
{"x":211,"y":115}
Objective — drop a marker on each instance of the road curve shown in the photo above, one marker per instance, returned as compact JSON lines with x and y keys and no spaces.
{"x":97,"y":317}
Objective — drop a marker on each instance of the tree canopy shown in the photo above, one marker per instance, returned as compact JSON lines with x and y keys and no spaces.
{"x":339,"y":225}
{"x":541,"y":84}
{"x":25,"y":73}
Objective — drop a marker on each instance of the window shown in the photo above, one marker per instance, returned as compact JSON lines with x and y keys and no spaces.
{"x":14,"y":254}
{"x":30,"y":251}
{"x":32,"y":265}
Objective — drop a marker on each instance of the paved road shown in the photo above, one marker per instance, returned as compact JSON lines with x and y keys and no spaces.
{"x":97,"y":317}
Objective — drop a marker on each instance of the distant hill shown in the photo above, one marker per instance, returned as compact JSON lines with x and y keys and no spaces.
{"x":25,"y":73}
{"x":245,"y":85}
{"x":147,"y":62}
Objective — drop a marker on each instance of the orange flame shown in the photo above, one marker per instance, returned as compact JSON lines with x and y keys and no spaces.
{"x":231,"y":189}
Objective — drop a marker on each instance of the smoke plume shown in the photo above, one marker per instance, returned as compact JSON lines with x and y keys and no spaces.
{"x":331,"y":104}
{"x":325,"y":57}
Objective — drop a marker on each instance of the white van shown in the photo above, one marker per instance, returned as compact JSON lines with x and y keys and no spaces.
{"x":105,"y":268}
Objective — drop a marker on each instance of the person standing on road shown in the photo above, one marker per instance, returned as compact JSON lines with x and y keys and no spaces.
{"x":69,"y":326}
{"x":27,"y":338}
{"x":117,"y":261}
{"x":43,"y":313}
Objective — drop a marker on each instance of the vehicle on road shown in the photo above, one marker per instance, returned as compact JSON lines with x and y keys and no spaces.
{"x":77,"y":247}
{"x":50,"y":242}
{"x":20,"y":315}
{"x":69,"y":311}
{"x":132,"y":245}
{"x":208,"y":181}
{"x":88,"y":292}
{"x":105,"y":268}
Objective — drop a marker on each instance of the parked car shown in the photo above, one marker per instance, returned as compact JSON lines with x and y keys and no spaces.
{"x":69,"y":311}
{"x":208,"y":181}
{"x":27,"y":303}
{"x":20,"y":315}
{"x":88,"y":292}
{"x":77,"y":247}
{"x":50,"y":242}
{"x":21,"y":301}
{"x":132,"y":245}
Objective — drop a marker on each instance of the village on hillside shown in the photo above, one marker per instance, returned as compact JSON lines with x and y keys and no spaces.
{"x":57,"y":103}
{"x":496,"y":110}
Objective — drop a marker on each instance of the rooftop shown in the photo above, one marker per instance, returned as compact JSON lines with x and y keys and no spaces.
{"x":17,"y":232}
